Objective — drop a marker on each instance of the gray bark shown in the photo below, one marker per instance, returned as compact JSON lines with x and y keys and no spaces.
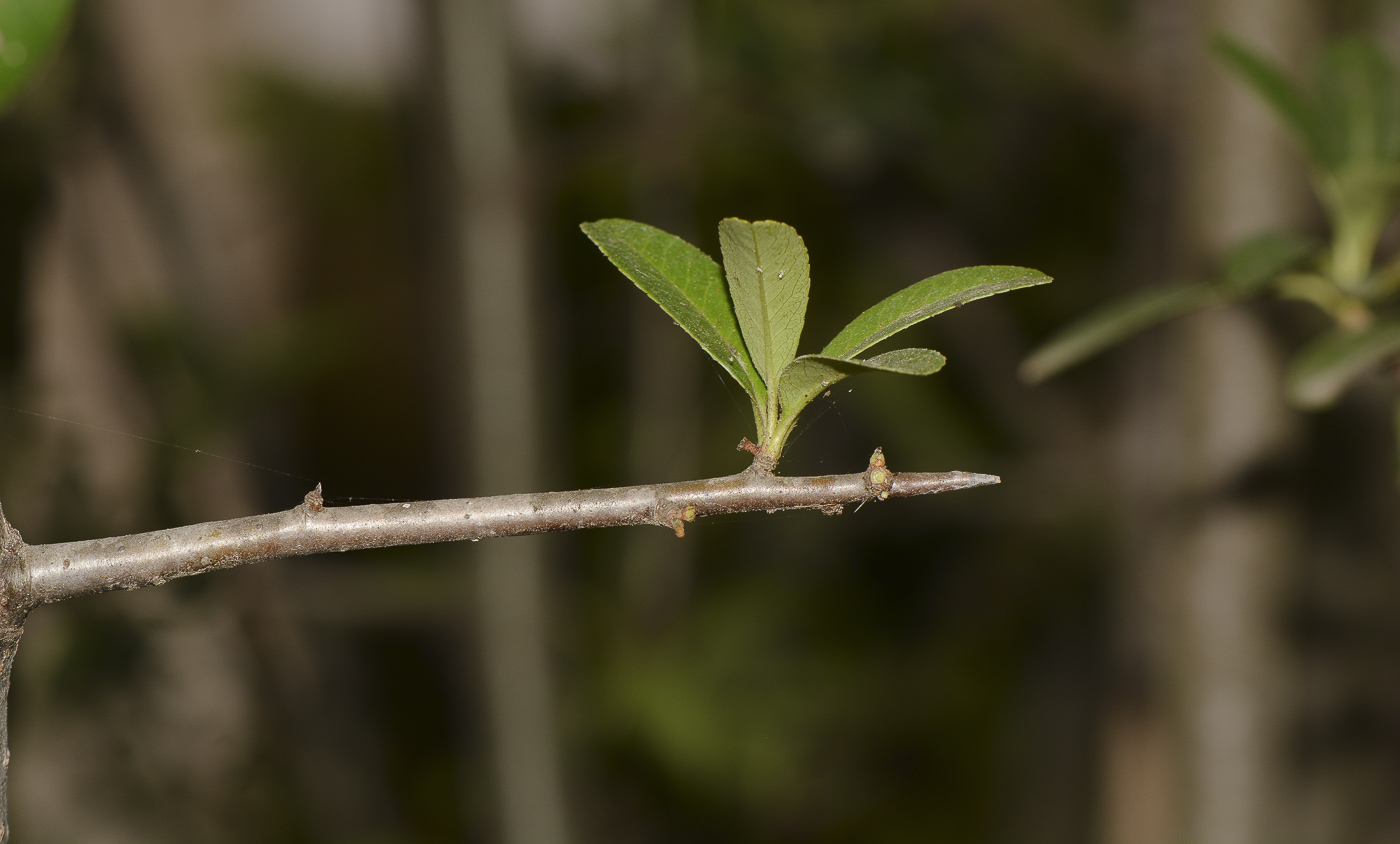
{"x":31,"y":575}
{"x":42,"y":574}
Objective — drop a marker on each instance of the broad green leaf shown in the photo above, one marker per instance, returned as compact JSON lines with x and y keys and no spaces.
{"x":686,"y":283}
{"x":1112,"y":325}
{"x":28,"y":29}
{"x":766,"y":263}
{"x":1296,"y":111}
{"x":1256,"y":262}
{"x":1325,"y":368}
{"x":805,"y":378}
{"x":925,"y":299}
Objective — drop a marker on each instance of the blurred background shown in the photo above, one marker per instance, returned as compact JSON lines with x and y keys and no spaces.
{"x":248,"y":246}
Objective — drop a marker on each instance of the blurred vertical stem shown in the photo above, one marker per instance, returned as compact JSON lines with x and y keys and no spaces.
{"x":502,"y":414}
{"x":1209,"y":562}
{"x":665,"y":370}
{"x":1233,"y":554}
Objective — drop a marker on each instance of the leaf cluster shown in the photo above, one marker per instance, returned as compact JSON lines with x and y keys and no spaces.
{"x":749,"y":317}
{"x":1347,"y":127}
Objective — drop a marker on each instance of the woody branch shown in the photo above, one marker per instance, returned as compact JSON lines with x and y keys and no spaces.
{"x":31,"y":575}
{"x":41,"y":574}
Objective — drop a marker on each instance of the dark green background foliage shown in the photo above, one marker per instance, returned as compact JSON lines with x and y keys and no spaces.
{"x":1346,"y":129}
{"x":926,"y":670}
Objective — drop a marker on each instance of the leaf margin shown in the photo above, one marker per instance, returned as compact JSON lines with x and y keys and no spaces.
{"x":856,"y":337}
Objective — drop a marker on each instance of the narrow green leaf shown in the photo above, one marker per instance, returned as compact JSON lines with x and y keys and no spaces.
{"x":766,"y":263}
{"x":925,"y":299}
{"x":1113,"y":324}
{"x":1326,"y":367}
{"x":687,"y":284}
{"x":28,"y":29}
{"x":1253,"y":264}
{"x":807,"y":377}
{"x":1295,"y":110}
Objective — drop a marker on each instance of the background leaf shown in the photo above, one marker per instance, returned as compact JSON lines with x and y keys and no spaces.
{"x":28,"y":29}
{"x":805,"y":378}
{"x":687,"y":284}
{"x":1278,"y":91}
{"x":927,"y":298}
{"x":1112,"y":325}
{"x":1358,"y":106}
{"x":1256,"y":262}
{"x":1325,"y":368}
{"x":766,"y":263}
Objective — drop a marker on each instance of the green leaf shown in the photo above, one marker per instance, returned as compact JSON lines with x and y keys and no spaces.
{"x":806,"y":377}
{"x":1259,"y":260}
{"x":925,"y":299}
{"x":687,"y":284}
{"x":28,"y":29}
{"x":1297,"y":113}
{"x":1358,"y":105}
{"x":766,"y":263}
{"x":1112,"y":325}
{"x":1325,"y":368}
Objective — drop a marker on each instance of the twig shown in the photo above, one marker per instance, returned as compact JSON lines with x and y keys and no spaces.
{"x":31,"y":575}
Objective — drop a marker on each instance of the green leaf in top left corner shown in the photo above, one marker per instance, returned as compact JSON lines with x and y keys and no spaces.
{"x":28,"y":29}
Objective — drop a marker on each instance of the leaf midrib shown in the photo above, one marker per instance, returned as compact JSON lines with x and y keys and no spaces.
{"x":766,"y":324}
